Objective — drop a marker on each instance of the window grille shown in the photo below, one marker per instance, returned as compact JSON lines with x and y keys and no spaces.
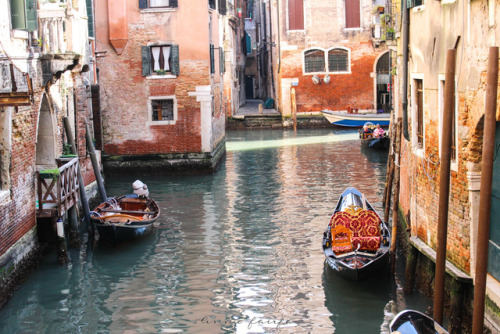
{"x":314,"y":61}
{"x":338,"y":60}
{"x":163,"y":110}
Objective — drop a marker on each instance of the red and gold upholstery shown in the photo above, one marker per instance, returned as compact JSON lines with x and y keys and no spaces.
{"x":364,"y":226}
{"x":341,"y":239}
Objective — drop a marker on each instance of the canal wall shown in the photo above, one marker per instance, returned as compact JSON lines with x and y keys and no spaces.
{"x":250,"y":122}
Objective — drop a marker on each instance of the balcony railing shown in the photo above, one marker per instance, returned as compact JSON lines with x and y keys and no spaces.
{"x":52,"y":38}
{"x":58,"y":190}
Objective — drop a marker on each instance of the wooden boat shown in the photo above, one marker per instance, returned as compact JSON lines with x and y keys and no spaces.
{"x":369,"y":141}
{"x":125,"y":218}
{"x":414,"y":322}
{"x":343,"y":118}
{"x":356,"y":242}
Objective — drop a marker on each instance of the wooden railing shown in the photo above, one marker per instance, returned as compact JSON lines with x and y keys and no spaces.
{"x":59,"y":193}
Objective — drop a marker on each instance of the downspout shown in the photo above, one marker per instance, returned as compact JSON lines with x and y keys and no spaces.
{"x":406,"y":28}
{"x":279,"y":35}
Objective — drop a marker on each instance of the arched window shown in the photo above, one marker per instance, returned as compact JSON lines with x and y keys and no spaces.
{"x":338,"y":60}
{"x":314,"y":61}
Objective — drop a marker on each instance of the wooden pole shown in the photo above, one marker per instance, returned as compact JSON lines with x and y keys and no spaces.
{"x":389,"y":175}
{"x":83,"y":195}
{"x":294,"y":109}
{"x":95,"y":164}
{"x":395,"y":205}
{"x":444,"y":185}
{"x":483,"y":233}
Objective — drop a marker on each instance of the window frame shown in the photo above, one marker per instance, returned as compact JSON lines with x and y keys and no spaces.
{"x":150,"y":110}
{"x":415,"y":77}
{"x":148,"y":63}
{"x":326,"y":60}
{"x":145,"y":7}
{"x":296,"y":27}
{"x":359,"y":16}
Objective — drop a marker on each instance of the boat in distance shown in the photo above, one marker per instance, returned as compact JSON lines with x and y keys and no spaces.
{"x":125,"y":218}
{"x":415,"y":322}
{"x":355,"y":120}
{"x":356,"y":241}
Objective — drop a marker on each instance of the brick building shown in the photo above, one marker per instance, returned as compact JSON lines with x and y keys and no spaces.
{"x":470,"y":28}
{"x":44,"y":62}
{"x":162,"y":83}
{"x":329,"y":52}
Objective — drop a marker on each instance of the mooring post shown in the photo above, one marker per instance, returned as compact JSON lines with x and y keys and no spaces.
{"x":294,"y":109}
{"x":83,"y":195}
{"x":444,"y":185}
{"x":62,"y":251}
{"x":74,"y":236}
{"x":95,"y":164}
{"x":395,"y":204}
{"x":483,"y":232}
{"x":389,"y":177}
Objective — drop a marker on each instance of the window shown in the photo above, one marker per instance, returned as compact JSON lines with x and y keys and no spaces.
{"x":352,"y":14}
{"x":314,"y":61}
{"x":296,"y":14}
{"x":419,"y":105}
{"x":24,"y":14}
{"x":211,"y":4}
{"x":338,"y":60}
{"x":160,"y":59}
{"x":163,"y":110}
{"x":212,"y":59}
{"x":144,"y":4}
{"x":414,"y":3}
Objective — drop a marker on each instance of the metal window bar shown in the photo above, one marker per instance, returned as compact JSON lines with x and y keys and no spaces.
{"x":163,"y":110}
{"x":337,"y":61}
{"x":314,"y":61}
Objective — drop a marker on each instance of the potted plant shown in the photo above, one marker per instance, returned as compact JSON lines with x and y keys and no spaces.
{"x":389,"y":34}
{"x":161,"y":72}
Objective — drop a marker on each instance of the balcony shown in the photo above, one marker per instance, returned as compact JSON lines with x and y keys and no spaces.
{"x":57,"y":189}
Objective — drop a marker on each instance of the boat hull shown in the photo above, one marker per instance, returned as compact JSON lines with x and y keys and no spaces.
{"x":377,"y":143}
{"x":356,"y":120}
{"x":357,"y":265}
{"x":411,"y":322}
{"x":116,"y":234}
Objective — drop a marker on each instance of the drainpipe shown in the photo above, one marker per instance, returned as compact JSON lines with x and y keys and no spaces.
{"x":406,"y":33}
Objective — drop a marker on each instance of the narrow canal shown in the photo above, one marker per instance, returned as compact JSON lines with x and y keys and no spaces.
{"x":235,"y":252}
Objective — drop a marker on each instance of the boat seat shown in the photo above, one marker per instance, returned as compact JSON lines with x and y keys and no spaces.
{"x":341,"y":239}
{"x":364,"y":225}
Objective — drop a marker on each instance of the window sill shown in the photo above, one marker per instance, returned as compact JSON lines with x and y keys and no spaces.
{"x":418,"y":8}
{"x":153,"y":123}
{"x":22,"y":34}
{"x":353,"y":29}
{"x":4,"y":197}
{"x":157,"y":10}
{"x":166,"y":76}
{"x":325,"y":73}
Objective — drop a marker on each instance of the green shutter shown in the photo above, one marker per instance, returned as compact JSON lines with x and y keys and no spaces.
{"x":90,"y":15}
{"x":174,"y":56}
{"x":212,"y":60}
{"x":222,"y":64}
{"x":18,"y":14}
{"x":146,"y":60}
{"x":31,"y":15}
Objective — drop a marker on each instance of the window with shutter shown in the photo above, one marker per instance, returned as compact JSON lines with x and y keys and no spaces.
{"x":31,"y":15}
{"x":212,"y":59}
{"x":222,"y":61}
{"x":352,"y":14}
{"x":18,"y":14}
{"x":145,"y":4}
{"x":160,"y":59}
{"x":90,"y":15}
{"x":296,"y":14}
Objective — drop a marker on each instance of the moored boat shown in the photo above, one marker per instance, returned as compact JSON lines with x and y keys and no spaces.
{"x":125,"y":218}
{"x":356,"y":242}
{"x":414,"y":322}
{"x":343,"y":118}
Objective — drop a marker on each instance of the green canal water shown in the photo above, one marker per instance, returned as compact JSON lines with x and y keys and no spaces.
{"x":238,"y":251}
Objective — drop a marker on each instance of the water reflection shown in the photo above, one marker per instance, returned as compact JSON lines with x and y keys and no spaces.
{"x":237,"y":251}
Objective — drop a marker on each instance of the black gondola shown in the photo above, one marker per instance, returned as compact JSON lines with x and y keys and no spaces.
{"x":356,"y":242}
{"x":414,"y":322}
{"x":375,"y":142}
{"x":125,"y":218}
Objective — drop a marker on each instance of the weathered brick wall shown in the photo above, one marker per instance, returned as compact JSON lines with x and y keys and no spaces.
{"x":125,"y":93}
{"x":325,"y":29}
